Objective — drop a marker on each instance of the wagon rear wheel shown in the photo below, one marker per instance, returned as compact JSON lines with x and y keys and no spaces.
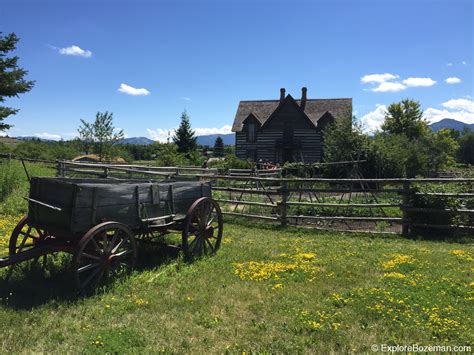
{"x":106,"y":250}
{"x":203,"y":227}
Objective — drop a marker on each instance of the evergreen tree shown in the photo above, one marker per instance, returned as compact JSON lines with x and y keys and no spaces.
{"x":12,"y":80}
{"x":219,"y":147}
{"x":184,"y":136}
{"x":101,"y":134}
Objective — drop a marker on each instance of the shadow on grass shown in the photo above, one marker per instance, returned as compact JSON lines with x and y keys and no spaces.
{"x":30,"y":285}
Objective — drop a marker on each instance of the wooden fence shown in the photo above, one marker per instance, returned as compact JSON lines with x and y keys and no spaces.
{"x":383,"y":205}
{"x":375,"y":205}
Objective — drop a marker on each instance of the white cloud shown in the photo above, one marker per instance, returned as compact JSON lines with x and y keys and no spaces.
{"x":459,"y":109}
{"x":460,"y":104}
{"x":186,"y":98}
{"x":453,"y":80}
{"x":377,"y":78}
{"x":435,"y":115}
{"x":449,"y":64}
{"x":161,"y":134}
{"x":464,"y":62}
{"x":389,"y":87}
{"x":414,"y":82}
{"x":76,"y":51}
{"x":372,"y":121}
{"x":3,"y":134}
{"x":130,"y":90}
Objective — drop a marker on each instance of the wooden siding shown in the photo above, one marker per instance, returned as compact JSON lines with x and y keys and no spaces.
{"x":269,"y":140}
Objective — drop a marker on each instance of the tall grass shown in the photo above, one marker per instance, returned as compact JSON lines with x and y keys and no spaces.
{"x":14,"y":184}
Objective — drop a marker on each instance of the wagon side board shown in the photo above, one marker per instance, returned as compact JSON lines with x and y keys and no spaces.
{"x":85,"y":204}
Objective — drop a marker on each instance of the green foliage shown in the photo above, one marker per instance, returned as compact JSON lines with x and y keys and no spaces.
{"x":343,"y":141}
{"x":441,"y":203}
{"x":36,"y":149}
{"x":12,"y":82}
{"x":466,"y":148}
{"x":4,"y":148}
{"x":405,"y":117}
{"x":396,"y":156}
{"x":230,"y":162}
{"x":101,"y":135}
{"x":184,"y":136}
{"x":219,"y":147}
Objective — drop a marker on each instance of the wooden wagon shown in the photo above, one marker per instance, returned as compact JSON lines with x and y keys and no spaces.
{"x":99,"y":221}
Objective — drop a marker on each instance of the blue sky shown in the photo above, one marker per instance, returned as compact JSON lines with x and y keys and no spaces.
{"x":205,"y":56}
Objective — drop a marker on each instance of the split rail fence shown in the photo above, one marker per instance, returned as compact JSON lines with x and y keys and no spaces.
{"x":375,"y":205}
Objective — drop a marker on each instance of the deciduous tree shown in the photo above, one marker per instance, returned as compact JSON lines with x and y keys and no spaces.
{"x":101,"y":134}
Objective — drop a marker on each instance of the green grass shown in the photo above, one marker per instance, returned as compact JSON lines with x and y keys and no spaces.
{"x":267,"y":289}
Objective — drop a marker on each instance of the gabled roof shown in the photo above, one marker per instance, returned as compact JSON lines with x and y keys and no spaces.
{"x":314,"y":109}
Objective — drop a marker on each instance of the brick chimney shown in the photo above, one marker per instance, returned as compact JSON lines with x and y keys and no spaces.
{"x":303,"y":97}
{"x":282,"y":95}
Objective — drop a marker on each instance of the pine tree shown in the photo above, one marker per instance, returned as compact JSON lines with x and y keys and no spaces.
{"x":11,"y":77}
{"x":219,"y":147}
{"x":184,"y":136}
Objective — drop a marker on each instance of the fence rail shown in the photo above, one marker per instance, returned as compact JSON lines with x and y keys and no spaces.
{"x":382,"y":205}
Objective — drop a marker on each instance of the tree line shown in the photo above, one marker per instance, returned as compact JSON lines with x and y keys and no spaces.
{"x":405,"y":146}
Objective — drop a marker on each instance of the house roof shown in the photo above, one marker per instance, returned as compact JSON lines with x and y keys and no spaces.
{"x":314,"y":109}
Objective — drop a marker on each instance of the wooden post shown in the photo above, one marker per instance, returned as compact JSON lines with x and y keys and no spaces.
{"x":283,"y":203}
{"x":405,"y":204}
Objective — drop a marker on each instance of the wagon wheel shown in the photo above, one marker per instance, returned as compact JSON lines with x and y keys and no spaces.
{"x":203,"y":227}
{"x":25,"y":237}
{"x":106,"y":250}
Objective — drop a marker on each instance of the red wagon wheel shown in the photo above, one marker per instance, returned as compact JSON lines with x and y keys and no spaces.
{"x":25,"y":237}
{"x":105,"y":250}
{"x":203,"y":227}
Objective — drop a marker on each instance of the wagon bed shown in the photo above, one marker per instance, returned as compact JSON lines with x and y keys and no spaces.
{"x":73,"y":206}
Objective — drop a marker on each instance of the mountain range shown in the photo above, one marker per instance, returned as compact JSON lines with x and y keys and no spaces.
{"x":209,"y":140}
{"x":229,"y":139}
{"x":451,"y":123}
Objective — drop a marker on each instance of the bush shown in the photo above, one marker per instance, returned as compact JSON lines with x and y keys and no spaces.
{"x":441,"y":203}
{"x":230,"y":162}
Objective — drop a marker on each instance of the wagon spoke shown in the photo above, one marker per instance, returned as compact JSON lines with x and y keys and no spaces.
{"x":119,"y":244}
{"x":193,"y":243}
{"x":88,"y":267}
{"x":90,"y":277}
{"x":122,"y":254}
{"x":114,"y":239}
{"x":22,"y":244}
{"x":90,"y":256}
{"x":210,"y":245}
{"x":96,"y":246}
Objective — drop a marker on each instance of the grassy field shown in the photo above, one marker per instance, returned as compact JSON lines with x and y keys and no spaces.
{"x":267,"y":290}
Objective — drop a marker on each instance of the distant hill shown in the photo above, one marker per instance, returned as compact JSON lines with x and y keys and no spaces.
{"x":450,"y":123}
{"x":210,"y":139}
{"x":31,"y":138}
{"x":137,"y":141}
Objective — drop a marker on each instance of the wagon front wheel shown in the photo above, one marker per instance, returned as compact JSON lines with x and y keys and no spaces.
{"x":106,"y":250}
{"x":203,"y":228}
{"x":25,"y":237}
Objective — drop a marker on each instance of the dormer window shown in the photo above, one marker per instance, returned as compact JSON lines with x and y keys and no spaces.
{"x":251,"y":132}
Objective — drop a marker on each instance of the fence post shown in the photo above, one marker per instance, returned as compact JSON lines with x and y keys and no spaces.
{"x":60,"y":169}
{"x":405,"y":205}
{"x":283,"y":205}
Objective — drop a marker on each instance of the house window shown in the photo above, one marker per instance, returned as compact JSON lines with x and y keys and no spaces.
{"x":251,"y":132}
